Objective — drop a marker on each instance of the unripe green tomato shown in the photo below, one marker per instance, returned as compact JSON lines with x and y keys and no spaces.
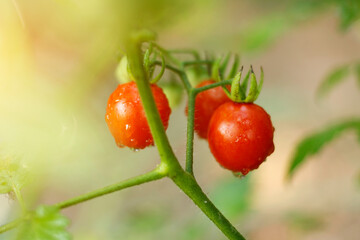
{"x":122,"y":72}
{"x":173,"y":92}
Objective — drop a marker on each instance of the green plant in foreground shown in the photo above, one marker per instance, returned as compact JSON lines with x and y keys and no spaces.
{"x":46,"y":222}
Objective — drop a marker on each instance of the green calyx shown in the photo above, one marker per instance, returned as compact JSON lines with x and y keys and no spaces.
{"x":123,"y":72}
{"x":246,"y":90}
{"x":239,"y":89}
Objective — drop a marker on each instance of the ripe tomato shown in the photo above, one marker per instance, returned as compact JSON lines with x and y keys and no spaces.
{"x":205,"y":104}
{"x":125,"y":115}
{"x":240,"y":136}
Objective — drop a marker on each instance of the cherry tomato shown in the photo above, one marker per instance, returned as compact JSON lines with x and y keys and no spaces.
{"x":240,"y":136}
{"x":125,"y":115}
{"x":206,"y":103}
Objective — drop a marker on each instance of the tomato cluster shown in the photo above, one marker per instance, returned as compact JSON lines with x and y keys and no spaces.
{"x":240,"y":135}
{"x":239,"y":132}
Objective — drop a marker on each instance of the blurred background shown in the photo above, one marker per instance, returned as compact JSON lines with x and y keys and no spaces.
{"x":57,"y":69}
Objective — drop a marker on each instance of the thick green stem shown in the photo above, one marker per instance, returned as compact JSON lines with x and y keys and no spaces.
{"x":188,"y":184}
{"x":135,"y":59}
{"x":156,"y":174}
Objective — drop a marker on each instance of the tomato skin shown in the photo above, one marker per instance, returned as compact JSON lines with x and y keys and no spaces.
{"x":240,"y":136}
{"x":206,"y":103}
{"x":125,"y":115}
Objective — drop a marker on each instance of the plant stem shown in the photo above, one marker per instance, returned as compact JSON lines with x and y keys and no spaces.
{"x":190,"y":187}
{"x":152,"y":114}
{"x":190,"y":132}
{"x":156,"y":174}
{"x":180,"y":73}
{"x":186,"y":51}
{"x":196,"y":62}
{"x":20,"y":200}
{"x":190,"y":121}
{"x":10,"y":225}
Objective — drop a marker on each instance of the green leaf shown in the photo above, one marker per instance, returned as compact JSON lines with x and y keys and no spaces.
{"x":224,"y":64}
{"x":357,"y":73}
{"x":234,"y":67}
{"x":215,"y":71}
{"x":312,"y":144}
{"x":233,"y":196}
{"x":349,"y":12}
{"x":46,"y":223}
{"x":334,"y":78}
{"x":12,"y":175}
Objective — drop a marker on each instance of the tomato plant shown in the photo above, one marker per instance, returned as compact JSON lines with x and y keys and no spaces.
{"x":137,"y":115}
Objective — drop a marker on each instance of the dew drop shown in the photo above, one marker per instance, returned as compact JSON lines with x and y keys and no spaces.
{"x":135,"y":149}
{"x":127,"y":126}
{"x":205,"y":201}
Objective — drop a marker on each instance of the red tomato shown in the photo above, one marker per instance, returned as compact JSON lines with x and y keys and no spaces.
{"x":240,"y":136}
{"x":125,"y":115}
{"x":206,"y":103}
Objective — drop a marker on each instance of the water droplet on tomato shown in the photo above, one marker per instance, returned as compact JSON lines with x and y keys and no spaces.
{"x":243,"y":172}
{"x":135,"y":149}
{"x":127,"y":126}
{"x":120,"y":145}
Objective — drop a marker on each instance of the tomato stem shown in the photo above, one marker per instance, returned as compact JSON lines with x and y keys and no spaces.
{"x":187,"y":183}
{"x":158,"y":173}
{"x":190,"y":121}
{"x":20,"y":199}
{"x":11,"y":225}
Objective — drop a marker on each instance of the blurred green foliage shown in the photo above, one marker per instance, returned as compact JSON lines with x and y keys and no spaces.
{"x":45,"y":223}
{"x":12,"y":175}
{"x":315,"y":142}
{"x":334,"y":78}
{"x":233,"y":196}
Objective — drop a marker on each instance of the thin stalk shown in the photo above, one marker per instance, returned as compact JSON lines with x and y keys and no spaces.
{"x":190,"y":122}
{"x":213,"y":85}
{"x":190,"y":187}
{"x":197,"y":62}
{"x":10,"y":225}
{"x":190,"y":132}
{"x":20,"y":200}
{"x":180,"y":73}
{"x":156,"y":174}
{"x":186,"y":51}
{"x":167,"y":54}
